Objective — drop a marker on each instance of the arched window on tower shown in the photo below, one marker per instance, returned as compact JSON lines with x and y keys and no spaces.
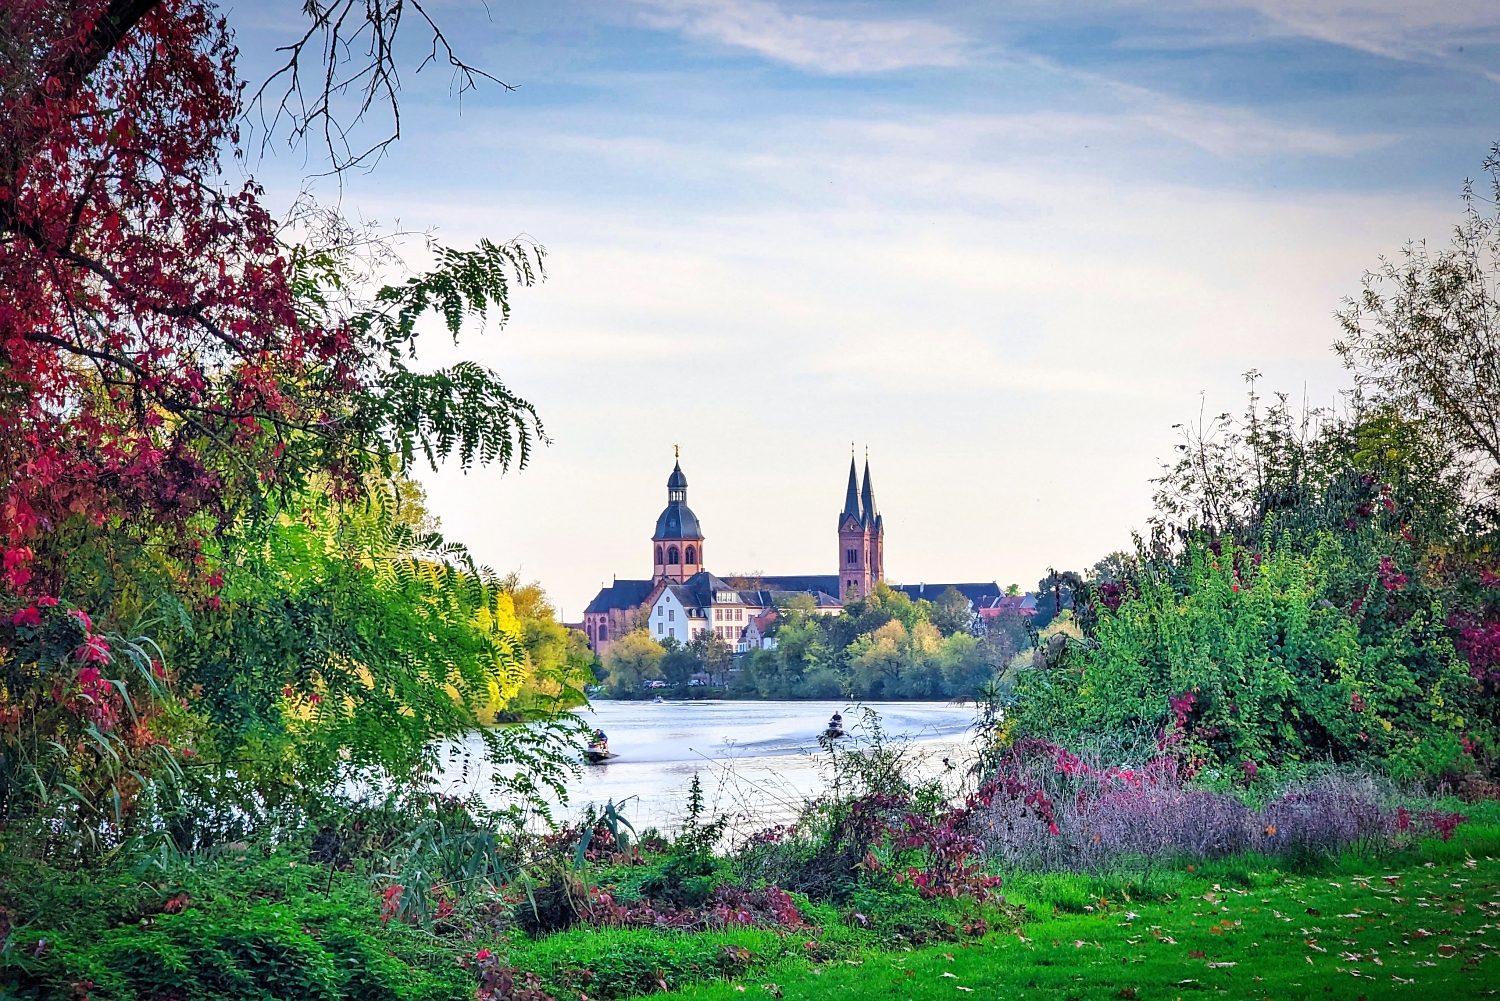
{"x":671,"y":555}
{"x":658,"y":555}
{"x":691,"y":556}
{"x":603,"y":633}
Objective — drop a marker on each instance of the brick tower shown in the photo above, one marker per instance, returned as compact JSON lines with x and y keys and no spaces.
{"x":861,"y":538}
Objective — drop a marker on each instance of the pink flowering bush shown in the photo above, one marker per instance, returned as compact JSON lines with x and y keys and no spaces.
{"x":93,"y":713}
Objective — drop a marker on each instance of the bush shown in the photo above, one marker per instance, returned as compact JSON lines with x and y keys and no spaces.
{"x":1047,"y":809}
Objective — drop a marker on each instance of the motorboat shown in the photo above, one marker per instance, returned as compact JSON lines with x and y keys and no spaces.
{"x":598,"y":755}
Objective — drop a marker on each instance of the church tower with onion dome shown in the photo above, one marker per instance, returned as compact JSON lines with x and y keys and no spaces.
{"x":677,"y":543}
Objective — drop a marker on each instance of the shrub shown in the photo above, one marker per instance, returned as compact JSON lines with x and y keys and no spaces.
{"x":1048,"y":809}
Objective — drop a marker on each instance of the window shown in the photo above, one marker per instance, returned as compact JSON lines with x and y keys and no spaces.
{"x":719,"y":614}
{"x":658,"y":555}
{"x":851,"y":556}
{"x":671,"y":555}
{"x":739,"y":615}
{"x":671,"y":614}
{"x":659,"y":610}
{"x":658,"y":629}
{"x":672,"y":632}
{"x":603,"y":633}
{"x":692,"y":555}
{"x":591,"y":632}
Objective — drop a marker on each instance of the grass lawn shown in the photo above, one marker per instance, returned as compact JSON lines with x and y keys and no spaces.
{"x":1418,"y":925}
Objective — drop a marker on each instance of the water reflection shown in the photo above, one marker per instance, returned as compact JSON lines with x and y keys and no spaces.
{"x":757,"y":760}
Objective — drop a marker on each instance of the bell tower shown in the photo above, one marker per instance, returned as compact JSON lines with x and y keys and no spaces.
{"x":854,"y":543}
{"x":677,"y":543}
{"x":861,"y":537}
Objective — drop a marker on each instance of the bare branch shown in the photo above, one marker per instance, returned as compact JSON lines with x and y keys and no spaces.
{"x":348,"y":51}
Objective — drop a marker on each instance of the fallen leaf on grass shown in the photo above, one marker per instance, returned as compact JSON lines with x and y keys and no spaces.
{"x":1220,"y":966}
{"x":773,"y":988}
{"x":950,"y":975}
{"x":1125,"y":992}
{"x":1402,"y":980}
{"x":1196,"y":954}
{"x":963,"y":988}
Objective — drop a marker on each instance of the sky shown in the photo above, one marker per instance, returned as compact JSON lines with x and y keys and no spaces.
{"x":1002,"y":247}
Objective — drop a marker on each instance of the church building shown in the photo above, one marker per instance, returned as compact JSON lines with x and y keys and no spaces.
{"x":682,"y":599}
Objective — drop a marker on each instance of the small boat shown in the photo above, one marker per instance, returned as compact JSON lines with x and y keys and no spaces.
{"x":598,"y":755}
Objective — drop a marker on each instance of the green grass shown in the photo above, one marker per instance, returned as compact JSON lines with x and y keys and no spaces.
{"x":1420,"y":924}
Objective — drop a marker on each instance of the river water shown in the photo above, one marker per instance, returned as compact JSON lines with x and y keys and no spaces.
{"x":757,"y":761}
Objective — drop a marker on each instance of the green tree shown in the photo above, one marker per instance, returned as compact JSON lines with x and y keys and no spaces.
{"x":951,"y":613}
{"x":632,"y":659}
{"x":713,"y":655}
{"x":680,"y":662}
{"x":1423,"y":336}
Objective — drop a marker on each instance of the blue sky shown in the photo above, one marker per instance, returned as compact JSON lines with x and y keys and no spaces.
{"x":1006,"y":246}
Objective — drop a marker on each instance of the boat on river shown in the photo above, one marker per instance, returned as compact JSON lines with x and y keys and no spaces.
{"x":598,"y":755}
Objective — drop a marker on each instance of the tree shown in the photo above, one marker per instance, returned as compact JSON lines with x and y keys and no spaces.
{"x":951,"y":613}
{"x":632,"y":659}
{"x":712,"y":654}
{"x":179,"y":384}
{"x":680,"y":662}
{"x":1424,"y":334}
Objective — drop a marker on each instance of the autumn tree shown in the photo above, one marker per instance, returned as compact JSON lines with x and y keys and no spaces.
{"x":178,"y":380}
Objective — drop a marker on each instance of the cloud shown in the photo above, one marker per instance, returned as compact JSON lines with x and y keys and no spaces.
{"x":1399,"y":29}
{"x":834,"y":46}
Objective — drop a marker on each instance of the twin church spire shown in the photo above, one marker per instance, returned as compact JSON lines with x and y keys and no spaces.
{"x":859,"y":502}
{"x":861,"y":538}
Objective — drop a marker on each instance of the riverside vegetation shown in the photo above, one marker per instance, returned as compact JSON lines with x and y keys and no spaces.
{"x":1256,"y":751}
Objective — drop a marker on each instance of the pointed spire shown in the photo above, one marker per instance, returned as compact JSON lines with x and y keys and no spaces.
{"x":867,"y":497}
{"x":851,"y":500}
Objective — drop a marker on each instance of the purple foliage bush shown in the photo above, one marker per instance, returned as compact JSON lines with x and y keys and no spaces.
{"x":1047,"y":809}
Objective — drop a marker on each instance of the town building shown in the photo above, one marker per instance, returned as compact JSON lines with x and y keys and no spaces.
{"x":682,"y":599}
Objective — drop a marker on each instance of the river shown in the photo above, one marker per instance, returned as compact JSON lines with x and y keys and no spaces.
{"x":757,"y":761}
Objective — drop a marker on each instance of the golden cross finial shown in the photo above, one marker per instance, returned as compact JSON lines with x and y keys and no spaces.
{"x":676,"y":451}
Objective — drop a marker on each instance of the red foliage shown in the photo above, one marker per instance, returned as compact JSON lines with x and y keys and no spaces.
{"x":147,"y":317}
{"x":1479,"y":642}
{"x":727,"y":907}
{"x":498,"y":982}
